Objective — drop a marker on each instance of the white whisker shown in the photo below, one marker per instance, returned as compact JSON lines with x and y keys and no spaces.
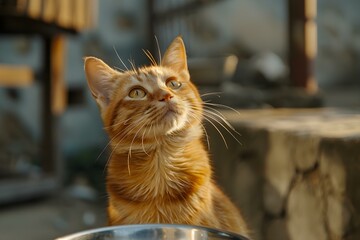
{"x":210,"y":113}
{"x":155,"y":135}
{"x":214,"y":110}
{"x":158,"y":47}
{"x":142,"y":143}
{"x":150,"y":57}
{"x":211,"y":93}
{"x":223,"y":119}
{"x":118,"y":142}
{"x":129,"y":153}
{"x":223,"y":106}
{"x":125,"y":122}
{"x":117,"y":54}
{"x":119,"y":69}
{"x":193,"y":115}
{"x":131,"y":127}
{"x":222,"y":125}
{"x":222,"y":136}
{"x":132,"y":63}
{"x":107,"y":145}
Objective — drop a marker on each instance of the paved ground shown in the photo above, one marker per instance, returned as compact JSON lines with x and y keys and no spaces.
{"x":48,"y":218}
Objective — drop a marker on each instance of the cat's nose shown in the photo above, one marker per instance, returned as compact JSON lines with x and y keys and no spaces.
{"x":165,"y":97}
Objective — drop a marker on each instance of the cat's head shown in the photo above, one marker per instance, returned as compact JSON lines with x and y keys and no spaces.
{"x":153,"y":100}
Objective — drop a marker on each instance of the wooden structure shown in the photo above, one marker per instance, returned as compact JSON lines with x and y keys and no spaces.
{"x":302,"y":43}
{"x":67,"y":14}
{"x":51,"y":20}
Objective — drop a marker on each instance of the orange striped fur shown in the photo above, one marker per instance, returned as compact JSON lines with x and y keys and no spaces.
{"x":159,"y":170}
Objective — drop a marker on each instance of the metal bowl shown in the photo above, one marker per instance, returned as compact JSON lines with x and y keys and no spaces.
{"x":153,"y":231}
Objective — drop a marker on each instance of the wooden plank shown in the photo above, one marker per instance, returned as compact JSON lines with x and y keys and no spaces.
{"x":80,"y":14}
{"x":15,"y":76}
{"x":49,"y":12}
{"x":58,"y":90}
{"x":23,"y":25}
{"x":91,"y":14}
{"x":21,"y":6}
{"x":34,"y":8}
{"x":65,"y":13}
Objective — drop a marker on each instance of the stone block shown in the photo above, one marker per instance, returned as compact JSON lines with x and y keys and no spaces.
{"x":305,"y":208}
{"x":337,"y":216}
{"x":303,"y":164}
{"x":279,"y":170}
{"x":239,"y":171}
{"x":305,"y":150}
{"x":276,"y":229}
{"x":340,"y":168}
{"x":246,"y":187}
{"x":273,"y":201}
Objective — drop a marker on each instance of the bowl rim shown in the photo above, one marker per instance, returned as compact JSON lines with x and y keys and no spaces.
{"x":149,"y":226}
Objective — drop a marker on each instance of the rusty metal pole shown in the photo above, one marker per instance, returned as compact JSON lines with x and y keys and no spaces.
{"x":302,"y":43}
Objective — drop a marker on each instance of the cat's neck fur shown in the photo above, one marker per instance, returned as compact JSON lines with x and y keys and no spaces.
{"x":168,"y":169}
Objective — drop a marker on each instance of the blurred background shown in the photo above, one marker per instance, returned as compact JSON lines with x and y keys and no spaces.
{"x":290,"y":67}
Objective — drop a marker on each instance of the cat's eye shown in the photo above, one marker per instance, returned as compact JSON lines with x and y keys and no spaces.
{"x":137,"y":93}
{"x":173,"y":83}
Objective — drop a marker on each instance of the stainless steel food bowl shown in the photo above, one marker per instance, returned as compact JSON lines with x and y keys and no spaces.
{"x":153,"y":232}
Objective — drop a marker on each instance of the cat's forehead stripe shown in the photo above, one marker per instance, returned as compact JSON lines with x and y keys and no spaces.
{"x":152,"y":72}
{"x":146,"y":76}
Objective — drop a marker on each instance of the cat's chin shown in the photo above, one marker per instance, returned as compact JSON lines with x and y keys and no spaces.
{"x":172,"y":121}
{"x":170,"y":116}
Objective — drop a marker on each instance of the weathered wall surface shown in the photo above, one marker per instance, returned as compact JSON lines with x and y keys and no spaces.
{"x":296,"y":174}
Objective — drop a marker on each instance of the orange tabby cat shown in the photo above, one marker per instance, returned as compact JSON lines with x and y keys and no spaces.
{"x":159,"y":169}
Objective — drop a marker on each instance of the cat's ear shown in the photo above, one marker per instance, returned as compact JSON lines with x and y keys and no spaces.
{"x":175,"y":56}
{"x":100,"y":78}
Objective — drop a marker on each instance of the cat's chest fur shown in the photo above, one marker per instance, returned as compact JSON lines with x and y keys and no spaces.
{"x":163,"y":186}
{"x":158,"y":211}
{"x":168,"y":172}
